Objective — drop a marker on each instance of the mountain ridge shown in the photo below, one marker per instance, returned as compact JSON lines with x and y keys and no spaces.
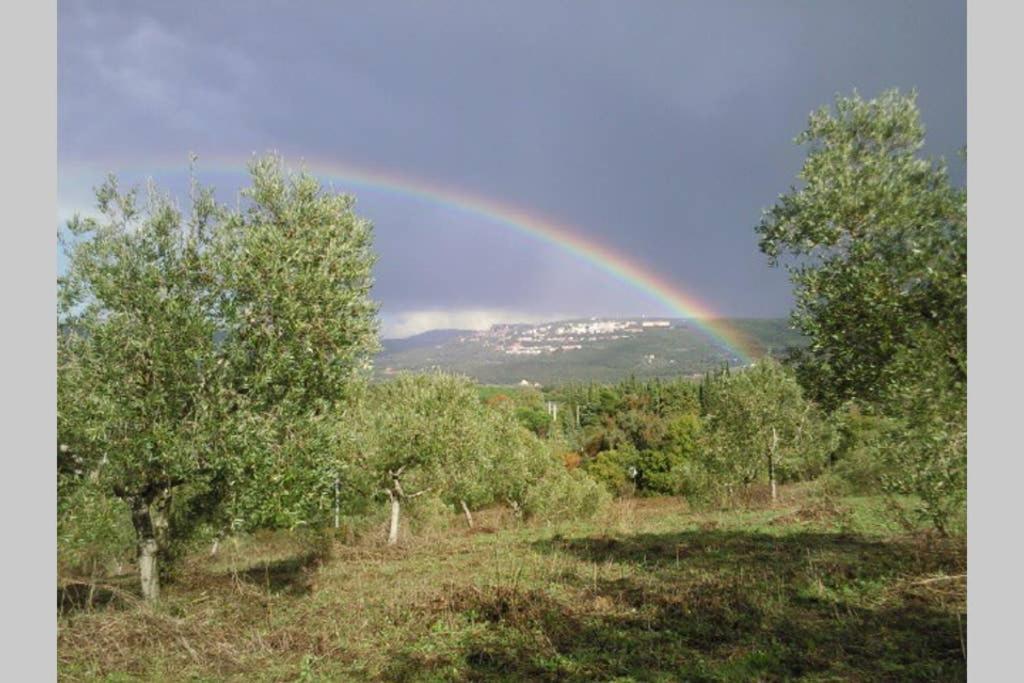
{"x":597,"y":349}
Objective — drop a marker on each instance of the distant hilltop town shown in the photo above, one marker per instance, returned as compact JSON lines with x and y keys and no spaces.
{"x":535,"y":340}
{"x":578,"y":349}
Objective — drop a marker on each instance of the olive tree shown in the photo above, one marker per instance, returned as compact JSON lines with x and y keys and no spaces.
{"x":758,"y":423}
{"x":515,"y":459}
{"x":876,"y":240}
{"x":198,"y":351}
{"x":429,"y":437}
{"x":431,"y":433}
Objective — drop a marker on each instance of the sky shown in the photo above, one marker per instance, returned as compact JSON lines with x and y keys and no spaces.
{"x":659,"y":130}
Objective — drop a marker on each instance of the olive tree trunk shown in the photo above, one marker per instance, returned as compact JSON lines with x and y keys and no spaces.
{"x":469,"y":515}
{"x":396,"y":509}
{"x":149,"y":517}
{"x":397,"y":494}
{"x":771,"y":464}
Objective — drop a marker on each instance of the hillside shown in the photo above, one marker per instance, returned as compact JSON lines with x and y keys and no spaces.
{"x":595,"y":349}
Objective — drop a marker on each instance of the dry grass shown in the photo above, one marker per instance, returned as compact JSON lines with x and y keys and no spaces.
{"x":651,"y":590}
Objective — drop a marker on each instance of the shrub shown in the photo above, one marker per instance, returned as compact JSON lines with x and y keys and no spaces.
{"x":429,"y":514}
{"x":94,"y":533}
{"x":655,"y":472}
{"x":565,"y":495}
{"x":614,"y":469}
{"x":929,"y":454}
{"x":535,"y":418}
{"x":860,"y":458}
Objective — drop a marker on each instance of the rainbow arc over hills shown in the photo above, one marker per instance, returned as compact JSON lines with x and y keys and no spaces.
{"x":615,"y":262}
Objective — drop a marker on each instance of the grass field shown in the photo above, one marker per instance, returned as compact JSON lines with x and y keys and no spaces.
{"x":815,"y":588}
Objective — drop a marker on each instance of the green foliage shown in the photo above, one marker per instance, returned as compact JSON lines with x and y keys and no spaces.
{"x":536,"y":419}
{"x":879,"y":241}
{"x":613,"y":469}
{"x":515,"y":461}
{"x":137,"y":343}
{"x":928,"y":454}
{"x":565,"y":495}
{"x":864,"y":440}
{"x":293,"y":484}
{"x":428,"y":433}
{"x":528,"y":404}
{"x":527,"y":472}
{"x":757,"y":418}
{"x":879,"y":237}
{"x":634,"y":435}
{"x":682,"y":438}
{"x":203,"y":350}
{"x":431,"y":432}
{"x":630,"y":411}
{"x":94,"y":532}
{"x":656,"y":472}
{"x":643,"y":429}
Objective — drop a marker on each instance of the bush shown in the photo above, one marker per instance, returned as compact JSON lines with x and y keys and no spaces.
{"x":429,"y":514}
{"x":614,"y":469}
{"x":656,"y":473}
{"x":535,"y":418}
{"x":94,"y":533}
{"x":565,"y":495}
{"x":860,"y":459}
{"x":694,"y":481}
{"x":929,"y":454}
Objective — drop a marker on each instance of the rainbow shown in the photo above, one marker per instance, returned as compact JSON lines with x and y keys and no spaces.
{"x":557,"y":234}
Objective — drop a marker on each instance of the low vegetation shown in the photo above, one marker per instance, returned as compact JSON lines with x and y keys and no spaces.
{"x":816,"y":587}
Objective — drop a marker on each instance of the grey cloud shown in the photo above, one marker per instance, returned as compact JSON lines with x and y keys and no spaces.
{"x":660,"y":129}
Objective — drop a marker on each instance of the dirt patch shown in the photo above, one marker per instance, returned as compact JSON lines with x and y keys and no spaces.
{"x":818,"y":511}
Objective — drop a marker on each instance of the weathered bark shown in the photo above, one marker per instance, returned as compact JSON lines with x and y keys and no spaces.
{"x":147,"y":549}
{"x":151,"y":522}
{"x":395,"y":511}
{"x":771,"y":464}
{"x":397,"y":494}
{"x":149,"y":569}
{"x":469,"y":515}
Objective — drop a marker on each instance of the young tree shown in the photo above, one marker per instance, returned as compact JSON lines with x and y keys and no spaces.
{"x":758,"y":421}
{"x":428,"y":437}
{"x":193,"y":348}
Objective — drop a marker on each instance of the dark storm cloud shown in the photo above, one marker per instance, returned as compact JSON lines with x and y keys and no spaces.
{"x":661,"y":129}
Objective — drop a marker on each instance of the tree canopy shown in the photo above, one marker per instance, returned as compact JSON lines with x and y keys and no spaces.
{"x":876,"y":237}
{"x":192,"y":343}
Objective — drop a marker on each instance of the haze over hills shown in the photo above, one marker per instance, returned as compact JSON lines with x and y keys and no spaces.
{"x":599,"y":349}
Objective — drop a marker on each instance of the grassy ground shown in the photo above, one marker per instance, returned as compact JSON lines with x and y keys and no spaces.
{"x":815,"y":589}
